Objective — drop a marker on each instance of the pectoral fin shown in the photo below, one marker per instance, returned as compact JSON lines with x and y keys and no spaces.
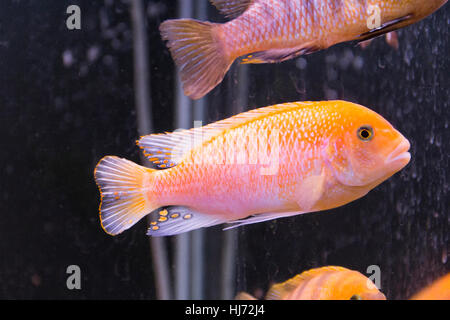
{"x":391,"y":39}
{"x":309,"y":192}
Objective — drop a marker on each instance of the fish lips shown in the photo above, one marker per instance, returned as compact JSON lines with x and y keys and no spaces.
{"x":400,"y":156}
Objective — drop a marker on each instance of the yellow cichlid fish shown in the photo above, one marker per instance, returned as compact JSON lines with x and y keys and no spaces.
{"x":326,"y":283}
{"x":438,"y":290}
{"x":264,"y":164}
{"x":268,"y":31}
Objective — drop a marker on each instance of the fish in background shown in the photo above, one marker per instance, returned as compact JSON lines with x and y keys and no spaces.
{"x":326,"y":283}
{"x":270,"y":31}
{"x":267,"y":163}
{"x":438,"y":290}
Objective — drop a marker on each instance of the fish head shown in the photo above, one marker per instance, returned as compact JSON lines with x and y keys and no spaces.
{"x":353,"y":285}
{"x":364,"y":289}
{"x":367,"y":150}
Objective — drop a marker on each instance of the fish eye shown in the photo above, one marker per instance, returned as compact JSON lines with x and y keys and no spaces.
{"x":365,"y":133}
{"x":356,"y":297}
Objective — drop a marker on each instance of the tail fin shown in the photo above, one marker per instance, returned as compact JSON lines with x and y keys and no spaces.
{"x":198,"y":53}
{"x":123,"y":188}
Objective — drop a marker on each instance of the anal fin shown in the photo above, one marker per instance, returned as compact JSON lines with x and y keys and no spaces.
{"x":278,"y":55}
{"x":173,"y":220}
{"x":261,"y":218}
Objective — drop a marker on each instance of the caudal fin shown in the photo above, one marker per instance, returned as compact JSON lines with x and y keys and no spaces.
{"x":198,"y":53}
{"x":123,"y":188}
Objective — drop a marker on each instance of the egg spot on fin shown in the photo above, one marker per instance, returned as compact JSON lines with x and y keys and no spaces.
{"x":164,"y":151}
{"x":163,"y":213}
{"x":169,"y":224}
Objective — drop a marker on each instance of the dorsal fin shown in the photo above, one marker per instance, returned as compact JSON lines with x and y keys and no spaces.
{"x":232,"y":8}
{"x":167,"y":150}
{"x":316,"y":271}
{"x":279,"y":290}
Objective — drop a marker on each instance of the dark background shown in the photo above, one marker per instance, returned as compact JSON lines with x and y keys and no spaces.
{"x":67,"y":99}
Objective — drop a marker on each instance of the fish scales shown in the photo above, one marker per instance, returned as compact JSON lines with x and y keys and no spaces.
{"x":270,"y":31}
{"x":298,"y":145}
{"x":280,"y":24}
{"x":263,"y":164}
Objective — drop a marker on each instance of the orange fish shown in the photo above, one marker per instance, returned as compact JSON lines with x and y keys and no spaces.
{"x":269,"y":31}
{"x":326,"y":283}
{"x":264,"y":164}
{"x":438,"y":290}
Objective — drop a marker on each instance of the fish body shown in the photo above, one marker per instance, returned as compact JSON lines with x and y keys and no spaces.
{"x":326,"y":283}
{"x":267,"y":163}
{"x":269,"y":31}
{"x":438,"y":290}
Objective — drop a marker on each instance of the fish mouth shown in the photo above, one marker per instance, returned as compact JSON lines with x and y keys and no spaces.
{"x":400,"y":154}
